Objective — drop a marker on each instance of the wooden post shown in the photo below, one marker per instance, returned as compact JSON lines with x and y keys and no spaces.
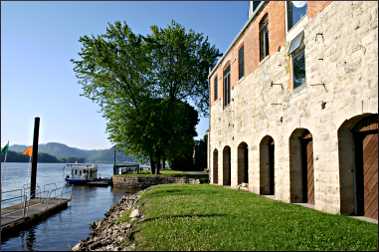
{"x":33,"y":180}
{"x":114,"y":160}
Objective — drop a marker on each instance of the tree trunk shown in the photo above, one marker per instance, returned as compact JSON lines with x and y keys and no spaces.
{"x":152,"y":165}
{"x":163,"y":164}
{"x":159,"y":166}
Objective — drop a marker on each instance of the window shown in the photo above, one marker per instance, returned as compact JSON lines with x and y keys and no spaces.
{"x":295,"y":11}
{"x":296,"y":50}
{"x":263,"y":38}
{"x":227,"y":86}
{"x":256,"y":4}
{"x":241,"y":63}
{"x":253,"y":7}
{"x":215,"y":88}
{"x":298,"y":65}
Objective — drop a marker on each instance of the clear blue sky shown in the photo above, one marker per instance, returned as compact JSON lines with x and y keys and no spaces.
{"x":38,"y":39}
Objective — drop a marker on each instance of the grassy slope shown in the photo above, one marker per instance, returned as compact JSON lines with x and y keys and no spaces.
{"x":206,"y":217}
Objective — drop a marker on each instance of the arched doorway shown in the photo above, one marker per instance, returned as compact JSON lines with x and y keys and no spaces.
{"x":215,"y":166}
{"x":301,"y":167}
{"x":243,"y":163}
{"x":358,"y":165}
{"x":266,"y":162}
{"x":226,"y":166}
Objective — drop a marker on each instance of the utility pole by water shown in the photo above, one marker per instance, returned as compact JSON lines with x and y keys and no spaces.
{"x":114,"y":160}
{"x":33,"y":180}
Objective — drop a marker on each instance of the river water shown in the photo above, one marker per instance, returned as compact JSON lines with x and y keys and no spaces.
{"x":64,"y":229}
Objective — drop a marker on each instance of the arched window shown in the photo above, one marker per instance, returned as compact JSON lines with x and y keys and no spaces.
{"x":263,"y":38}
{"x":241,"y":62}
{"x":215,"y":88}
{"x":227,"y":86}
{"x":295,"y":11}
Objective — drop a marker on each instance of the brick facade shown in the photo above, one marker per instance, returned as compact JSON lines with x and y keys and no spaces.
{"x":315,"y":7}
{"x":341,"y":84}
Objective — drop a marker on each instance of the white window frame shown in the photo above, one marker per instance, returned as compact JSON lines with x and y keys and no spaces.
{"x":296,"y":28}
{"x":296,"y":52}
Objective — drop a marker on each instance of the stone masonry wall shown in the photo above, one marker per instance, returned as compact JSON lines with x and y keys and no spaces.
{"x":345,"y":59}
{"x":142,"y":182}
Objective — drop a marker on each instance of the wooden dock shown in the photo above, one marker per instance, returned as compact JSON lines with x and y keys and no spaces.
{"x":125,"y":168}
{"x":20,"y":216}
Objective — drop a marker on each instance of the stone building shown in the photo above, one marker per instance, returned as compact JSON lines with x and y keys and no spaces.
{"x":294,"y":106}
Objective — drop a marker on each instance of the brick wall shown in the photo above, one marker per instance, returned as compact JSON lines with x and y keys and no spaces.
{"x":315,"y":7}
{"x":250,"y":39}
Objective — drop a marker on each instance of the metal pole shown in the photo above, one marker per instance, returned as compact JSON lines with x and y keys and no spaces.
{"x":114,"y":160}
{"x":0,"y":199}
{"x":1,"y":167}
{"x":33,"y":180}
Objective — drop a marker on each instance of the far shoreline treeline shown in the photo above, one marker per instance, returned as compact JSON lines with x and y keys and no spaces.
{"x":13,"y":156}
{"x":61,"y":153}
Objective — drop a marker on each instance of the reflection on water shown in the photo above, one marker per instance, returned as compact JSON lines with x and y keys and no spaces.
{"x":64,"y":229}
{"x":28,"y":239}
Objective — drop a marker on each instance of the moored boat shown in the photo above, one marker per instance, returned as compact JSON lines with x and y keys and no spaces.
{"x":84,"y":174}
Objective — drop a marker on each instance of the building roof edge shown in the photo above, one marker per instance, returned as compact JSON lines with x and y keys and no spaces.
{"x":259,"y":8}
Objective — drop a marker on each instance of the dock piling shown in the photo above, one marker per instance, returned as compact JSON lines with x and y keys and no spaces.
{"x":33,"y":180}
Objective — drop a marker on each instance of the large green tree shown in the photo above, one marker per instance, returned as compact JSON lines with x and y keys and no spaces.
{"x":145,"y":85}
{"x":181,"y":61}
{"x":113,"y":70}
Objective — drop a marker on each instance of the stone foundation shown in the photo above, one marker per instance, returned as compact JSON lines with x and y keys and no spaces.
{"x":142,"y":182}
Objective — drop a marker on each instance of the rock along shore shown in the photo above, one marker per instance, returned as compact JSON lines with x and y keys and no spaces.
{"x":109,"y":234}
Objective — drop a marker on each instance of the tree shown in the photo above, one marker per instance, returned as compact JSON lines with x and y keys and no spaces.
{"x":200,"y":153}
{"x":113,"y":69}
{"x":157,"y":133}
{"x":143,"y":86}
{"x":181,"y":61}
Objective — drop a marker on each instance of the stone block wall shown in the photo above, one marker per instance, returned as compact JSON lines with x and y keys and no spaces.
{"x":341,"y":54}
{"x":141,"y":182}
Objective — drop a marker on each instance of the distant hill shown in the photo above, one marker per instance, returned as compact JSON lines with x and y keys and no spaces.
{"x":13,"y":156}
{"x":62,"y":151}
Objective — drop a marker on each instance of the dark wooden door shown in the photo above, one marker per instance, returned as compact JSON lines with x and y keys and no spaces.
{"x":366,"y":172}
{"x":310,"y":180}
{"x":307,"y":157}
{"x":370,"y":174}
{"x":227,"y":167}
{"x":271,"y":168}
{"x":246,"y":165}
{"x":215,"y":168}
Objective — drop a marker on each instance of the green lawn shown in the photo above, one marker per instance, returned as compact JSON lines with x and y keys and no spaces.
{"x":207,"y":217}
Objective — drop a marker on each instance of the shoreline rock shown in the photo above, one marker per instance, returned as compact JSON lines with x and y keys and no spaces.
{"x":109,"y":234}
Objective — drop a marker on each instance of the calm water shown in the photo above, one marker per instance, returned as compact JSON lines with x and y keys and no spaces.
{"x":64,"y":229}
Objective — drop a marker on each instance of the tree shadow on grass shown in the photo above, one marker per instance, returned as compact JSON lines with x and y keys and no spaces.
{"x":167,"y":217}
{"x":137,"y":229}
{"x":179,"y":192}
